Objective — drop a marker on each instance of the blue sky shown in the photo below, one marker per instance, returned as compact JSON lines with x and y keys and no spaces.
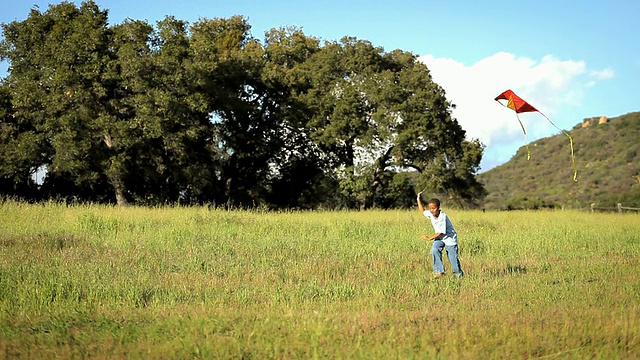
{"x":571,"y":59}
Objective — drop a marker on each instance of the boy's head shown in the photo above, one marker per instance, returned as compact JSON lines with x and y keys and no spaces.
{"x":434,"y":206}
{"x":434,"y":201}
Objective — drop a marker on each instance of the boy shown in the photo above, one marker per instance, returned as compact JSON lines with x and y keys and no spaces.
{"x":445,"y":236}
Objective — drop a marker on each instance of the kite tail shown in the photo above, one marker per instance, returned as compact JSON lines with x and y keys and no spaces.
{"x":573,"y":159}
{"x":523,"y":131}
{"x":525,"y":137}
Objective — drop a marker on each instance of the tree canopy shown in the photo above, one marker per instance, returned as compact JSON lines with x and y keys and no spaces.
{"x":206,"y":113}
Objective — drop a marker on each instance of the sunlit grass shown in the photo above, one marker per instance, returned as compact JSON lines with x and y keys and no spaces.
{"x":107,"y":282}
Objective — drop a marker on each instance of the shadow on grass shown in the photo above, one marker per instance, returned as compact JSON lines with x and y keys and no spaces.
{"x":41,"y":241}
{"x":510,"y":269}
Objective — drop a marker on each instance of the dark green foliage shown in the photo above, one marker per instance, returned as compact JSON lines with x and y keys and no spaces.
{"x":399,"y":192}
{"x":21,"y":149}
{"x":608,"y":161}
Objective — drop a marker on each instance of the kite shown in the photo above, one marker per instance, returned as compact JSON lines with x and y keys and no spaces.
{"x":517,"y":104}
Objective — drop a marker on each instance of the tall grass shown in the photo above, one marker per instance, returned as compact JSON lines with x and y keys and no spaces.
{"x":106,"y":282}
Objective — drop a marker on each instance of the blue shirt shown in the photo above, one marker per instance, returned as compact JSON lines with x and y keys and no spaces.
{"x":443,"y":225}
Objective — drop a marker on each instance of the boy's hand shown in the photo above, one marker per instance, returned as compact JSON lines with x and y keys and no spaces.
{"x":425,"y":237}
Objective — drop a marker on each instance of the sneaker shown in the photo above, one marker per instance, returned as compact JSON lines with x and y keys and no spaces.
{"x":437,"y":275}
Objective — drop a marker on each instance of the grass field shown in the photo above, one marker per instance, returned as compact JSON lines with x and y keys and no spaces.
{"x":107,"y":282}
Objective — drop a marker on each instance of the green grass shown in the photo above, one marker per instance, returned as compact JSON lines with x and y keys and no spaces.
{"x":105,"y":282}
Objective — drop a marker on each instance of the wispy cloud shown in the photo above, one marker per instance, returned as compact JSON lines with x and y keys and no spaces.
{"x":602,"y":74}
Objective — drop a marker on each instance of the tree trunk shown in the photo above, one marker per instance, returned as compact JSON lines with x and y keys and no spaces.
{"x":118,"y":188}
{"x":378,"y":176}
{"x":114,"y":175}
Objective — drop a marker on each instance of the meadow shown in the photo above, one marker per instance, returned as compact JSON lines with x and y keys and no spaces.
{"x":89,"y":281}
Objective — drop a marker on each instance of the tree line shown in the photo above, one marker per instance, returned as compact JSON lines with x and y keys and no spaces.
{"x":207,"y":113}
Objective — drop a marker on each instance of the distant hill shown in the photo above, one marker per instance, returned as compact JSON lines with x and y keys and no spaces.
{"x":607,"y":153}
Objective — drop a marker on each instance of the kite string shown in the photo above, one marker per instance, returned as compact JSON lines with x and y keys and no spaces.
{"x":573,"y":159}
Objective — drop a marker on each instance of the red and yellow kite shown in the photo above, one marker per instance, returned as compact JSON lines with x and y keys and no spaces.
{"x":517,"y":104}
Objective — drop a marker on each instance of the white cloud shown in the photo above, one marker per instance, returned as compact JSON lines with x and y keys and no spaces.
{"x":548,"y":84}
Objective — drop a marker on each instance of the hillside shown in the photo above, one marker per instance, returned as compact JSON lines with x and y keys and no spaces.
{"x":607,"y":153}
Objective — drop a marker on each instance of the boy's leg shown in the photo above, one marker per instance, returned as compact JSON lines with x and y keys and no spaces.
{"x":436,"y":253}
{"x":452,"y":253}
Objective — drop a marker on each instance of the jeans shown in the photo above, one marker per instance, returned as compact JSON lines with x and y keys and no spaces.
{"x":452,"y":253}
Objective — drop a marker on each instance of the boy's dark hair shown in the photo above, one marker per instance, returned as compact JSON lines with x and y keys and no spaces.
{"x":434,"y":201}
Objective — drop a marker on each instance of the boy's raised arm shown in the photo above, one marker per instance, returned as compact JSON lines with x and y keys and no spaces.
{"x":420,"y":206}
